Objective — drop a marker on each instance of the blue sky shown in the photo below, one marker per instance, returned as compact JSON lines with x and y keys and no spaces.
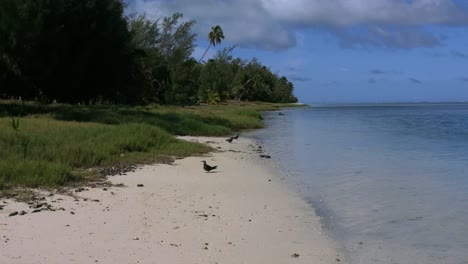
{"x":340,"y":51}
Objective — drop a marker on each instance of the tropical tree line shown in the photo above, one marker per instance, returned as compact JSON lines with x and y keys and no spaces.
{"x":89,"y":51}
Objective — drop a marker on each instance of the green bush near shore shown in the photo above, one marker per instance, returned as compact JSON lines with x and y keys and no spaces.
{"x":57,"y":144}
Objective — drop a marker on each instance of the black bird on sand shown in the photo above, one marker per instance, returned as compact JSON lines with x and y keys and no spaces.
{"x":229,"y":139}
{"x":236,"y":136}
{"x":207,"y":167}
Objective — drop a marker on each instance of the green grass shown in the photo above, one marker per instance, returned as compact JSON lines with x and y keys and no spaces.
{"x":59,"y":151}
{"x":56,"y":145}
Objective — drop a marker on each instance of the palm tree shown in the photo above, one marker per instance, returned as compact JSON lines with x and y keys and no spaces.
{"x":215,"y":37}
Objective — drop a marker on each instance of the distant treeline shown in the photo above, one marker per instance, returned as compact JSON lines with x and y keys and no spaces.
{"x":88,"y":51}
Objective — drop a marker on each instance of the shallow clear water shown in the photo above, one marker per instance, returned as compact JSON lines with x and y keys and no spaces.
{"x":390,"y":181}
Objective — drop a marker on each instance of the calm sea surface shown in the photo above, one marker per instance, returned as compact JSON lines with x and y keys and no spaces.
{"x":389,"y":181}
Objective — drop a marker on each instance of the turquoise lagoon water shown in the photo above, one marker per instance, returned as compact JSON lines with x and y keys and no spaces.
{"x":389,"y":181}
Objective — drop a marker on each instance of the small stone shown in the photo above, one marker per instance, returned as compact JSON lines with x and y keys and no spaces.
{"x":95,"y":200}
{"x":13,"y":214}
{"x":205,"y":248}
{"x":136,"y":238}
{"x":140,"y":185}
{"x":104,"y":189}
{"x":39,"y":205}
{"x":295,"y":255}
{"x":338,"y":260}
{"x":36,"y":211}
{"x":22,"y":212}
{"x":71,"y":212}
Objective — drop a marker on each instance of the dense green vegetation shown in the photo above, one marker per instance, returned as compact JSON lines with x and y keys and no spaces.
{"x":89,"y":52}
{"x":82,"y":86}
{"x":52,"y":145}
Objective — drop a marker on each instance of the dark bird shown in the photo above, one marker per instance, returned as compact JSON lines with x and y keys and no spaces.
{"x":229,"y":139}
{"x":207,"y":167}
{"x":280,"y":113}
{"x":236,"y":136}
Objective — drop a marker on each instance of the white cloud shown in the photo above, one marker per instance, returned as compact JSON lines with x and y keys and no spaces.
{"x":270,"y":24}
{"x":352,"y":12}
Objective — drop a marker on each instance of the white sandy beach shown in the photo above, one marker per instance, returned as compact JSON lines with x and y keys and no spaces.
{"x":242,"y":213}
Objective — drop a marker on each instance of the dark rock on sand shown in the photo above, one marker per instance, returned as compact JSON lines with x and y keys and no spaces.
{"x":117,"y":170}
{"x":295,"y":255}
{"x":265,"y":156}
{"x":81,"y":189}
{"x":39,"y":205}
{"x":13,"y":213}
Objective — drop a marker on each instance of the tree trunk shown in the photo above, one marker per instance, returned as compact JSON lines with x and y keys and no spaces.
{"x":209,"y":46}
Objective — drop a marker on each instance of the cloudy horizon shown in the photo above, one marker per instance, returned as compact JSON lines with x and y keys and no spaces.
{"x":342,"y":50}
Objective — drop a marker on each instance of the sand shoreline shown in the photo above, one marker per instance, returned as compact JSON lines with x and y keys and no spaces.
{"x":242,"y":213}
